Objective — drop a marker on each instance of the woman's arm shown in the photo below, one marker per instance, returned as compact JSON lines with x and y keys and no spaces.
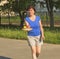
{"x":42,"y":32}
{"x":27,"y":24}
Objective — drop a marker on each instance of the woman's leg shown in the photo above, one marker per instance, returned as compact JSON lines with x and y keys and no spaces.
{"x":38,"y":50}
{"x":33,"y":48}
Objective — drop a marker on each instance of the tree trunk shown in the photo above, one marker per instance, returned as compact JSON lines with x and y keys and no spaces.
{"x":21,"y":20}
{"x":0,"y":18}
{"x":51,"y":19}
{"x":9,"y":17}
{"x":49,"y":5}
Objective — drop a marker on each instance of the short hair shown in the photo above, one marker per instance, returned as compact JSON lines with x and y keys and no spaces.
{"x":30,"y":6}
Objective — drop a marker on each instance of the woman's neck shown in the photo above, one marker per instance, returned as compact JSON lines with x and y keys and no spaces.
{"x":32,"y":16}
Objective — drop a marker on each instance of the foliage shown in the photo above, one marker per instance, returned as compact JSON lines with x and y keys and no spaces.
{"x":57,"y":4}
{"x":21,"y":5}
{"x":50,"y":4}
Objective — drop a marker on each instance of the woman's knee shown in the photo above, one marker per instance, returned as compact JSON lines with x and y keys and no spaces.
{"x":38,"y":53}
{"x":38,"y":50}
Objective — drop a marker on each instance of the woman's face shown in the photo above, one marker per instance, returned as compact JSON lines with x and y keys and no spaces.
{"x":31,"y":11}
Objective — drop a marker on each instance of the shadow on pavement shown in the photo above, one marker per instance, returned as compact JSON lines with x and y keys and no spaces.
{"x":3,"y":57}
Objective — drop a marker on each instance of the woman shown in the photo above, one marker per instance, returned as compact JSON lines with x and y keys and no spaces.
{"x":34,"y":22}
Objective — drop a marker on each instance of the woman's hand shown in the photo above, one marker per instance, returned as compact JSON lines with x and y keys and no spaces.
{"x":42,"y":37}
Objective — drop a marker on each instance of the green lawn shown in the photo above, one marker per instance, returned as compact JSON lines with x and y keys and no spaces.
{"x":51,"y":35}
{"x":13,"y":33}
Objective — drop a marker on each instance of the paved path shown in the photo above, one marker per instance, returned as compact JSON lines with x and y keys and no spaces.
{"x":19,"y":49}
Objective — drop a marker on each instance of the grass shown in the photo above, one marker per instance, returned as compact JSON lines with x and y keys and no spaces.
{"x":51,"y":35}
{"x":12,"y":33}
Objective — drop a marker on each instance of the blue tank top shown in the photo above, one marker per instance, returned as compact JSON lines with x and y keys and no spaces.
{"x":34,"y":25}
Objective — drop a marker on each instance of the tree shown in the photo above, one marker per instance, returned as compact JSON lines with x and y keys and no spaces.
{"x":57,"y":4}
{"x":20,"y":7}
{"x":2,"y":2}
{"x":7,"y":6}
{"x":50,"y":4}
{"x":0,"y":17}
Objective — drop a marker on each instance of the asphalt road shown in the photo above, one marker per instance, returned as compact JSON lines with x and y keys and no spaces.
{"x":19,"y":49}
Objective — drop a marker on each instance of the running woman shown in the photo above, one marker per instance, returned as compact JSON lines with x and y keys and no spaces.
{"x":34,"y":22}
